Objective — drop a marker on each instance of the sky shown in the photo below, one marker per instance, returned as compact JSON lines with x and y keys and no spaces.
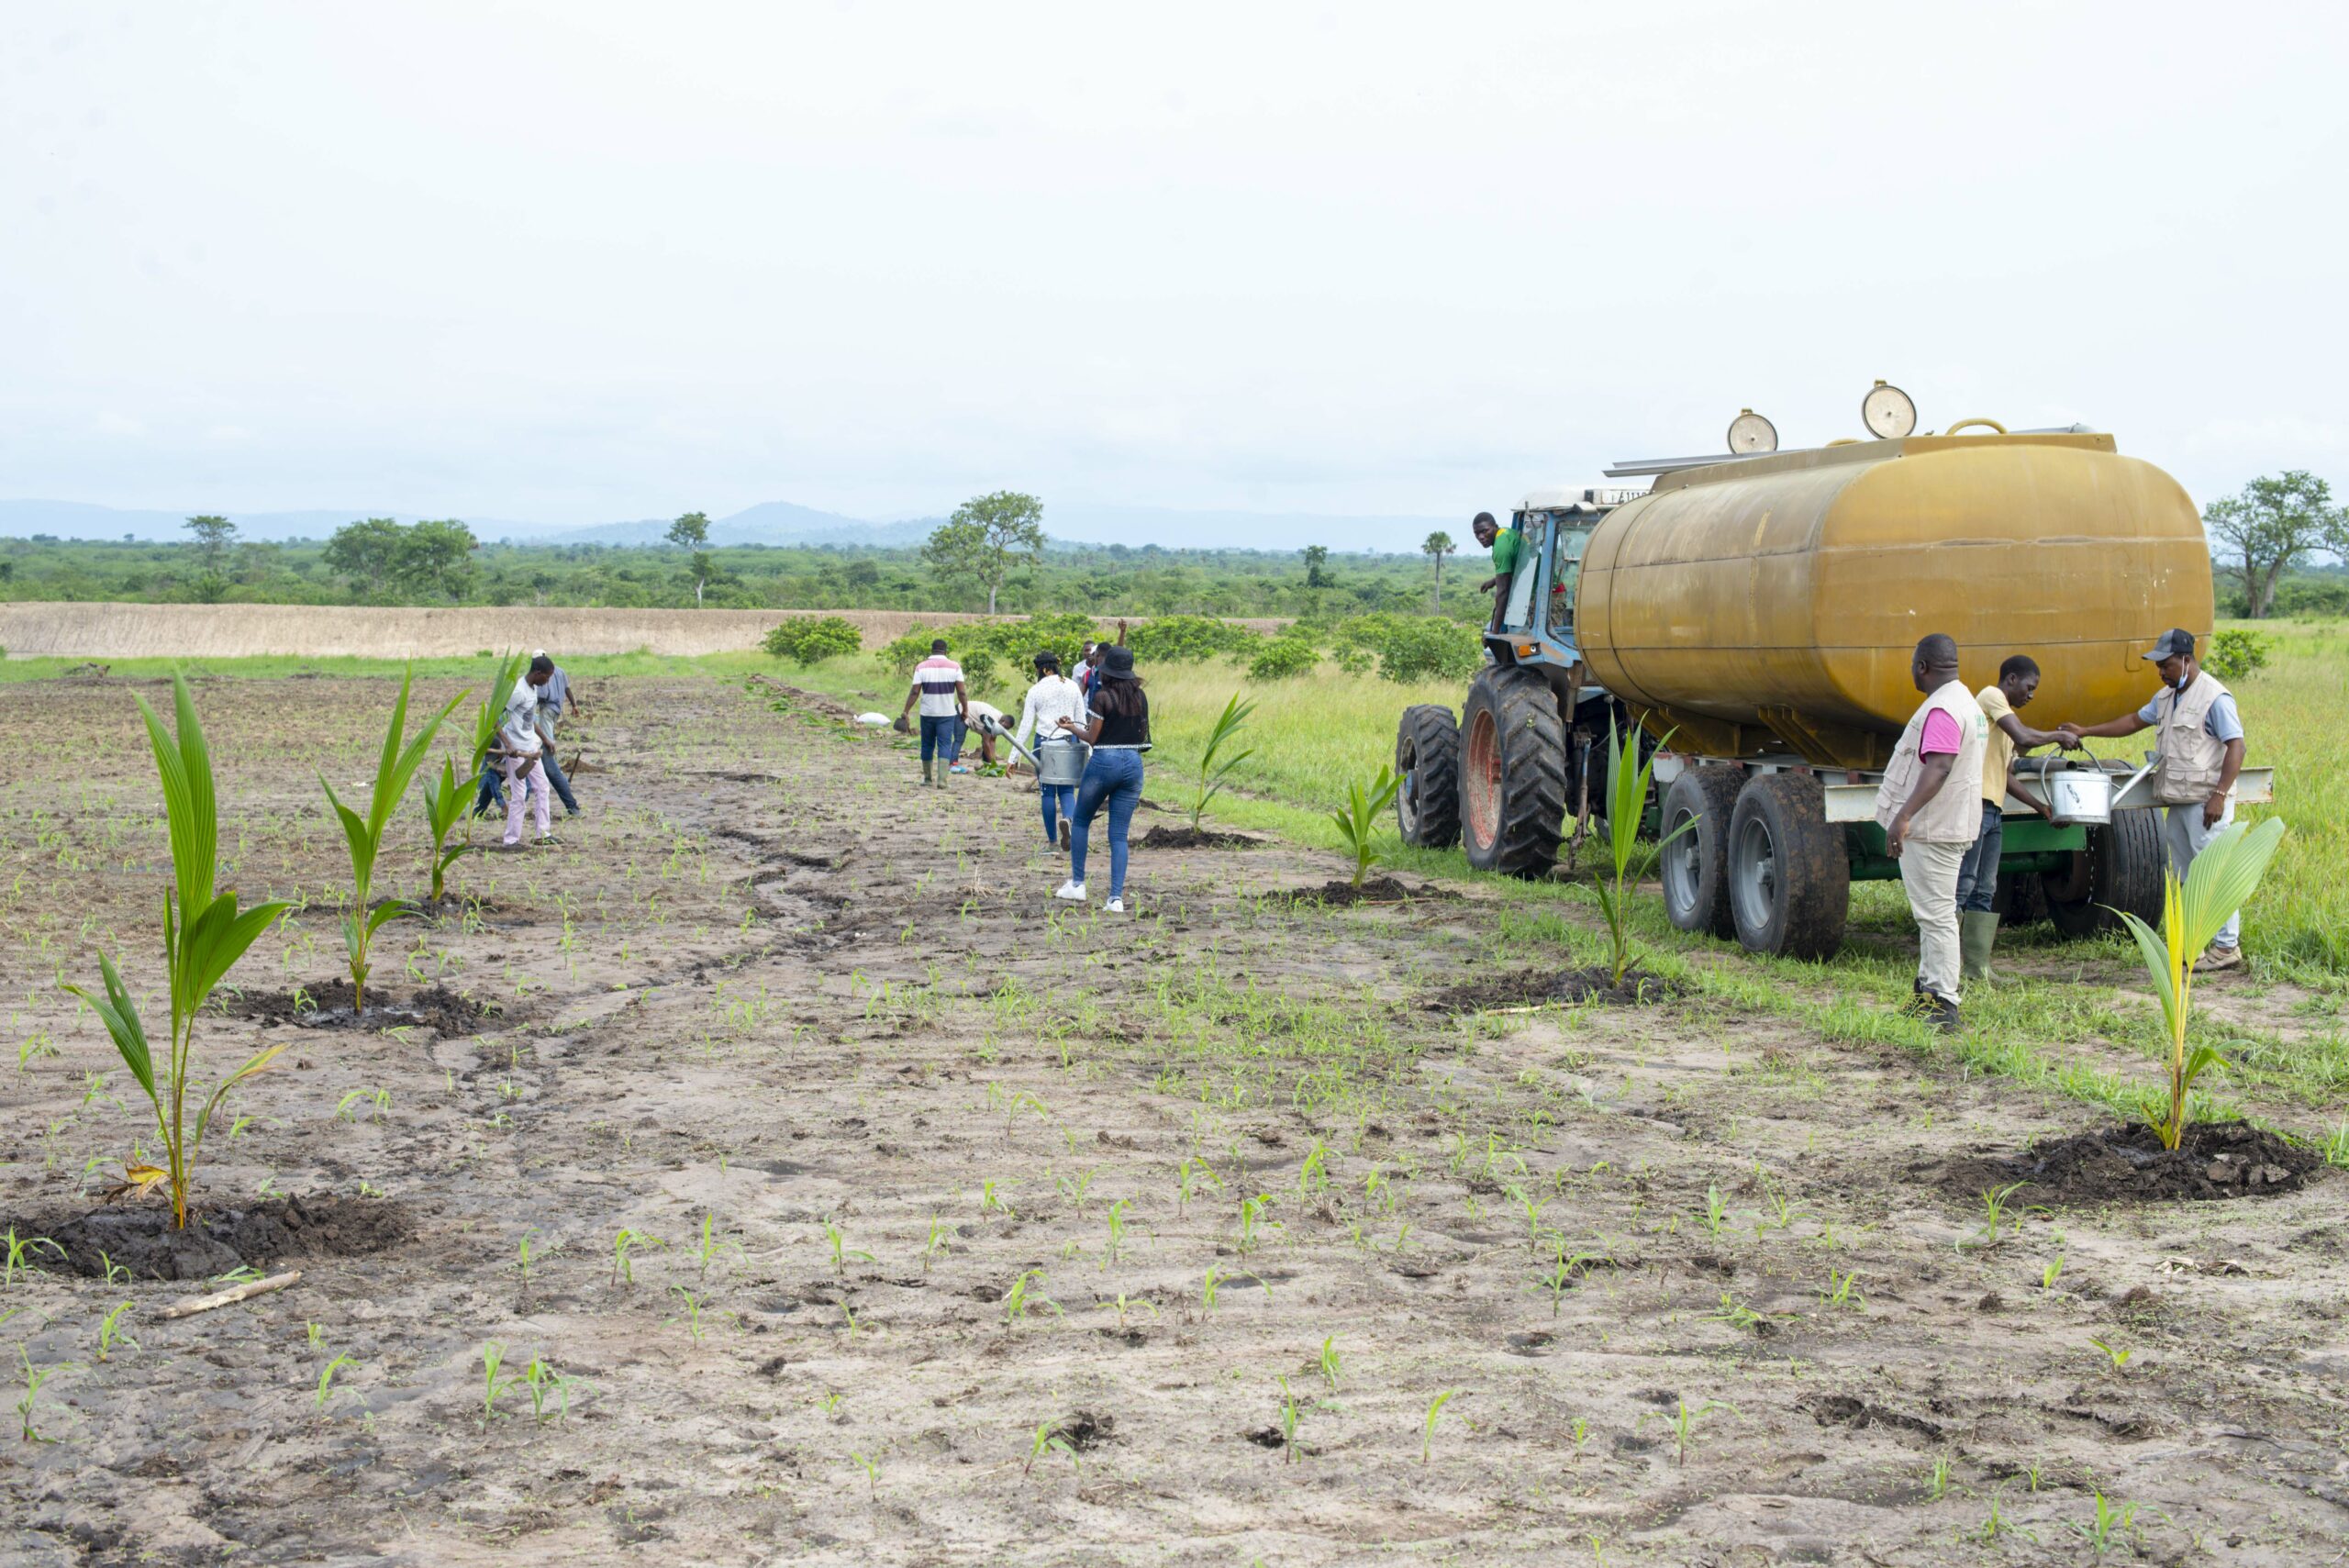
{"x":569,"y":263}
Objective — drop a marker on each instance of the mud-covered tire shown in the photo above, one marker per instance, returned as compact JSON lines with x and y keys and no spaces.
{"x":2120,"y":869}
{"x":1512,"y":773}
{"x":1790,"y":873}
{"x":2020,"y":901}
{"x":1427,"y":759}
{"x":1695,"y":866}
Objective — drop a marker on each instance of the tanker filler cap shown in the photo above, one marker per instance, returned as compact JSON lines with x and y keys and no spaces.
{"x":1888,"y":412}
{"x":1749,"y":433}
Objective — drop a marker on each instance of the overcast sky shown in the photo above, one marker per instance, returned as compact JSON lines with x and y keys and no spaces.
{"x":579,"y":261}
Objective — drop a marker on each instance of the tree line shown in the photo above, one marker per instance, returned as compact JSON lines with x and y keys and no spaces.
{"x":991,"y":555}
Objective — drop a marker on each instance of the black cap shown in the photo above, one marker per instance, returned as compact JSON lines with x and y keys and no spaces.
{"x":2175,"y":643}
{"x":1117,"y":664}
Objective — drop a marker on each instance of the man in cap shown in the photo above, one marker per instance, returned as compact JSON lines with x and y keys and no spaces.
{"x":1929,"y":807}
{"x":2198,"y":751}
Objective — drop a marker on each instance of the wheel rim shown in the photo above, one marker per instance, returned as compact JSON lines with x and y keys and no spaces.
{"x":1681,"y":866}
{"x":1754,"y":875}
{"x":1407,"y":796}
{"x":1481,"y":775}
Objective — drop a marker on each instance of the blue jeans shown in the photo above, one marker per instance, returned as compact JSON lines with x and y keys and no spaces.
{"x":554,"y":771}
{"x":1060,"y":800}
{"x":1977,"y":873}
{"x":493,"y":787}
{"x":938,"y":737}
{"x":1114,"y":778}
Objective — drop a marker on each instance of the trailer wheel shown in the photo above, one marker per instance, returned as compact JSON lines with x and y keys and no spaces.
{"x":1512,"y":773}
{"x":1426,"y":755}
{"x":1696,"y":864}
{"x":2022,"y":899}
{"x":1789,"y":873}
{"x":2120,"y":869}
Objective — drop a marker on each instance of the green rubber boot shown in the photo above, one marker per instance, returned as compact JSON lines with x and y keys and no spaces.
{"x":1977,"y":933}
{"x":925,"y":773}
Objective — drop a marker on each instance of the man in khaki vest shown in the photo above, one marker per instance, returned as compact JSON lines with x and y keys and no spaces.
{"x":1928,"y":822}
{"x":2200,"y":746}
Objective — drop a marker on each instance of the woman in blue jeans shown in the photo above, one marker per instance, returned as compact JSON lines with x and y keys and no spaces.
{"x":1118,"y":725}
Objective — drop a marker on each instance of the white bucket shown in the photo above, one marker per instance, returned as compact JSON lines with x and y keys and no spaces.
{"x":1061,"y":762}
{"x":2078,"y":795}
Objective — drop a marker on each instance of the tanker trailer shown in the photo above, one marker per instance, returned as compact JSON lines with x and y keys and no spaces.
{"x":1755,"y":616}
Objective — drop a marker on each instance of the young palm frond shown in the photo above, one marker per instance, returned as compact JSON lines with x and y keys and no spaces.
{"x":203,"y":936}
{"x":394,"y":769}
{"x":2221,"y":880}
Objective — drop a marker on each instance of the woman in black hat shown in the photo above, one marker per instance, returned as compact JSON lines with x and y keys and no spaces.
{"x":1118,"y":727}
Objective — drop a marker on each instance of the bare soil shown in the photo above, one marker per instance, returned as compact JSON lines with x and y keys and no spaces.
{"x":1164,"y":838}
{"x":1512,"y":989}
{"x":915,"y":1161}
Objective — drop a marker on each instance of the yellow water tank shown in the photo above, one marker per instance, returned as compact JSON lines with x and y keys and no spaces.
{"x":1774,"y":603}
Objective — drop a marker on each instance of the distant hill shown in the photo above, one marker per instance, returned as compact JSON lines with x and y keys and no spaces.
{"x":769,"y":522}
{"x":79,"y":519}
{"x":786,"y":523}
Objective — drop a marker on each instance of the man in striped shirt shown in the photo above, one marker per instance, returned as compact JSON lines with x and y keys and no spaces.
{"x":938,"y":686}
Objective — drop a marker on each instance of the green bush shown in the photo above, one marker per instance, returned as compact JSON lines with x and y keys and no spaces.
{"x":2235,"y":654}
{"x":805,"y":640}
{"x":1415,"y":648}
{"x":983,"y":647}
{"x":1283,"y":659}
{"x":1189,"y":640}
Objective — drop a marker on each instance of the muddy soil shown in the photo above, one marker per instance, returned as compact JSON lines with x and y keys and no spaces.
{"x":1536,"y":988}
{"x":328,"y":1007}
{"x":139,"y":1239}
{"x":2215,"y":1160}
{"x":1188,"y":837}
{"x":1342,"y":894}
{"x":912,"y":1160}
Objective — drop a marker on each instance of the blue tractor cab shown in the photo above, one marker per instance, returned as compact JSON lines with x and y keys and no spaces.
{"x":1502,"y":777}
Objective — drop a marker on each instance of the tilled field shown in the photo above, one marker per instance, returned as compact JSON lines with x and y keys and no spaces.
{"x":964,"y":1226}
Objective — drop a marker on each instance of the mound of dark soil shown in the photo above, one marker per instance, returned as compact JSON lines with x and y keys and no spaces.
{"x":2128,"y":1164}
{"x":140,"y":1237}
{"x":1197,"y":838}
{"x":1535,"y":987}
{"x":328,"y":1007}
{"x":1376,"y":890}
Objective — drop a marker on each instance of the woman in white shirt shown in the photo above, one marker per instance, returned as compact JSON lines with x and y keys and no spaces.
{"x":1050,"y":699}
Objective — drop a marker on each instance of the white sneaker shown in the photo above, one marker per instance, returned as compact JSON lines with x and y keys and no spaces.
{"x":1072,"y":891}
{"x":1115,"y":906}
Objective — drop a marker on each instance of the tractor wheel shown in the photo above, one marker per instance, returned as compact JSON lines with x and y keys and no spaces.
{"x":2120,"y":869}
{"x":1426,"y":755}
{"x":1789,"y":873}
{"x":1695,"y":864}
{"x":1512,"y":773}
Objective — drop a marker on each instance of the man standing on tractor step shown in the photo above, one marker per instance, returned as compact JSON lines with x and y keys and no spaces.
{"x":1503,"y":542}
{"x":2200,"y":751}
{"x":1929,"y":823}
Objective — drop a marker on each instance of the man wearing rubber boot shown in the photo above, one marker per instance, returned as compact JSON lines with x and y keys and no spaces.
{"x":2199,"y":753}
{"x":1929,"y":822}
{"x":1978,"y":874}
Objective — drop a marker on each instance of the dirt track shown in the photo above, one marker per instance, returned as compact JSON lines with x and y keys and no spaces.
{"x":767,"y":983}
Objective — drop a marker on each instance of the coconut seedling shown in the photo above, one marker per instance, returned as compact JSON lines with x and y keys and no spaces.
{"x":2224,"y":875}
{"x":444,"y":806}
{"x":1212,"y":772}
{"x":1627,"y":795}
{"x":1358,"y":819}
{"x":393,"y":769}
{"x":204,"y":935}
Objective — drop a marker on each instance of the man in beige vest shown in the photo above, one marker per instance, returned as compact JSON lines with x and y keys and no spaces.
{"x":1929,"y":822}
{"x":2199,"y":746}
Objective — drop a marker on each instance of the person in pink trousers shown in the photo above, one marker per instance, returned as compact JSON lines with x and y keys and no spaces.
{"x":518,"y":733}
